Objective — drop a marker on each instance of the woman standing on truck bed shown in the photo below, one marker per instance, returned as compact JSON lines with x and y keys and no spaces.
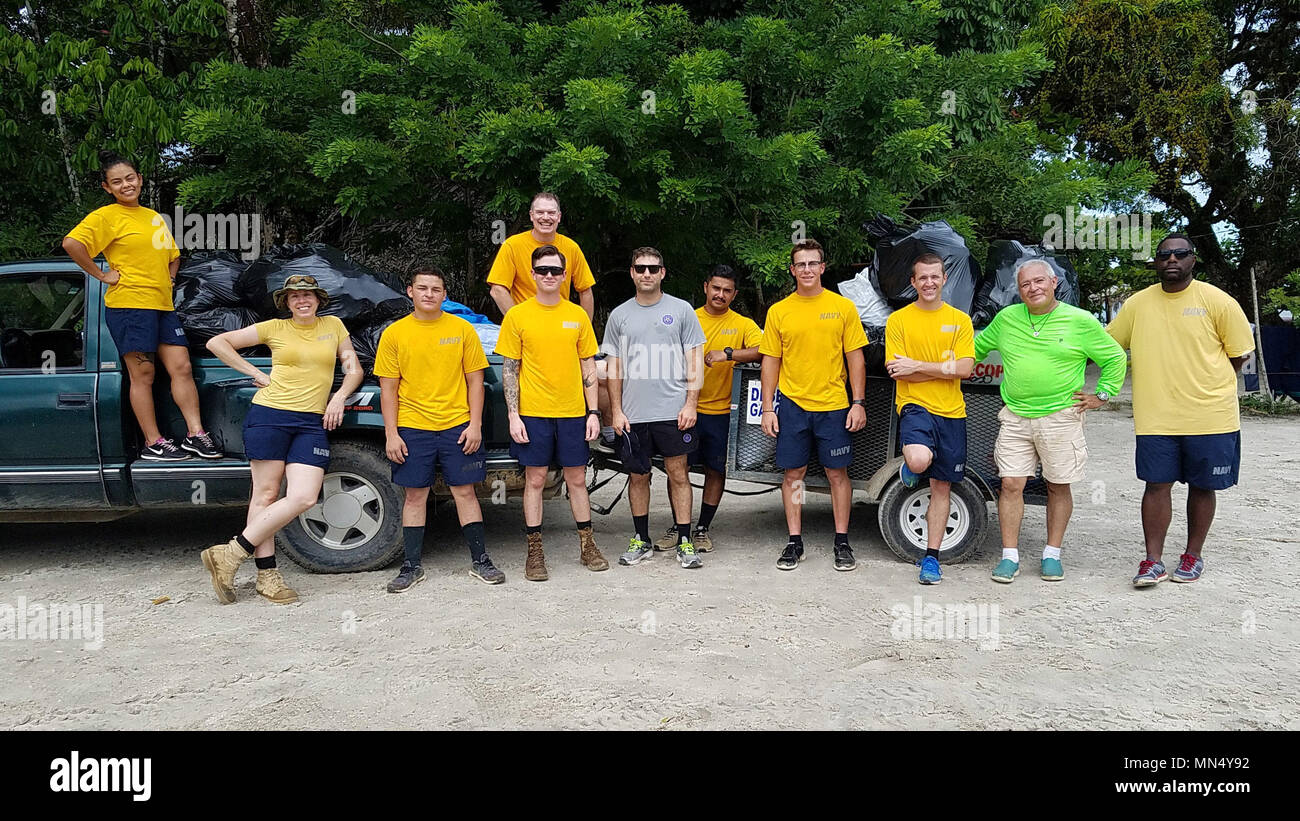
{"x":142,"y":261}
{"x":284,"y":431}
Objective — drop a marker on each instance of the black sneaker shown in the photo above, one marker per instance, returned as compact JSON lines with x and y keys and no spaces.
{"x":200,"y":444}
{"x":790,"y":557}
{"x":844,"y":558}
{"x":164,"y":450}
{"x":408,"y":578}
{"x":486,"y":572}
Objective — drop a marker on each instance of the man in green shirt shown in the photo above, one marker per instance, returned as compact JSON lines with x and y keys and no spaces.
{"x":1045,"y":347}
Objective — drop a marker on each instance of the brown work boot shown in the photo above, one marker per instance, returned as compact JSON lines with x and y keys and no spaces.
{"x":591,"y":558}
{"x":535,"y":567}
{"x":272,"y":587}
{"x":222,"y":560}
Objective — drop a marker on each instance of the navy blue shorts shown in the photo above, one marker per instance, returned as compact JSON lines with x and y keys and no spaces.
{"x":651,"y":439}
{"x":553,"y":441}
{"x":712,"y":430}
{"x":142,"y":330}
{"x":946,"y":439}
{"x":1209,"y":461}
{"x":797,"y":428}
{"x":292,"y":437}
{"x":428,"y":450}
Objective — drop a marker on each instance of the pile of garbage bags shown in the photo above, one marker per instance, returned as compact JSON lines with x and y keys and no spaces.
{"x":999,"y":288}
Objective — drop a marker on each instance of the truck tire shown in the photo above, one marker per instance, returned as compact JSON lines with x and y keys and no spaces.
{"x":357,"y":525}
{"x":902,"y":521}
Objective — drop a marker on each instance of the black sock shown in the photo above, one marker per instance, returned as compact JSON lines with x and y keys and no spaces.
{"x":796,"y":538}
{"x":641,"y":524}
{"x":841,"y":538}
{"x":248,"y":546}
{"x":473,"y":533}
{"x":932,"y":553}
{"x":413,"y":540}
{"x":706,"y":515}
{"x":683,"y":532}
{"x":533,"y":529}
{"x":583,"y":525}
{"x":265,"y":562}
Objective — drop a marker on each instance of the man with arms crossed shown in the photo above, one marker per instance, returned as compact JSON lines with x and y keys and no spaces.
{"x":1188,"y":340}
{"x":511,"y":278}
{"x":929,"y":349}
{"x":808,"y":337}
{"x":1045,"y":345}
{"x":430,"y":366}
{"x":550,"y":385}
{"x":653,"y":356}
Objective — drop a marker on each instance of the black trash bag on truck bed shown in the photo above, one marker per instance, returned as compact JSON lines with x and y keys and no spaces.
{"x":358,"y":295}
{"x":365,"y":341}
{"x":874,"y":353}
{"x":200,"y":326}
{"x":206,"y":280}
{"x":999,"y":289}
{"x":897,"y":249}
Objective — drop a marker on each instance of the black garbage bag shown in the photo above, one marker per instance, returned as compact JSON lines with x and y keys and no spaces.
{"x":897,"y":249}
{"x":365,"y":341}
{"x":200,"y":326}
{"x":207,"y":280}
{"x":999,"y":288}
{"x":874,"y":353}
{"x":358,"y":295}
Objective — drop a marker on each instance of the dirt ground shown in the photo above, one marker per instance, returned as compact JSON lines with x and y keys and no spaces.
{"x":737,"y":644}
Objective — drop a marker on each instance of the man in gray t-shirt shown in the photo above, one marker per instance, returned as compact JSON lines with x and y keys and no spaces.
{"x":653,"y":346}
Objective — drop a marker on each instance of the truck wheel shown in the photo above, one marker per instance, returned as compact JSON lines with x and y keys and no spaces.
{"x":357,"y":525}
{"x":902,"y":521}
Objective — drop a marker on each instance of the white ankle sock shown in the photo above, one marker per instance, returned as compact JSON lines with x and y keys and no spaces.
{"x":1050,"y":552}
{"x":1011,"y":553}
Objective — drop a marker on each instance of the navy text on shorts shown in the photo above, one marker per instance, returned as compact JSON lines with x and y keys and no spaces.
{"x":712,"y":430}
{"x":1208,"y":461}
{"x":142,"y":330}
{"x":798,"y":428}
{"x":560,"y":441}
{"x":946,"y":439}
{"x":292,"y":437}
{"x":429,"y":450}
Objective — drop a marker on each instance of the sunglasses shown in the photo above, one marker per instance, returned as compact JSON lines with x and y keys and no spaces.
{"x":1180,"y":253}
{"x":548,"y":271}
{"x":648,"y":269}
{"x":301,"y":279}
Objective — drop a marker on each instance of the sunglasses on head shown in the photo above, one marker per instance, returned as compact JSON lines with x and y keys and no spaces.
{"x":648,"y":269}
{"x":1180,"y":253}
{"x":301,"y":279}
{"x":548,"y":271}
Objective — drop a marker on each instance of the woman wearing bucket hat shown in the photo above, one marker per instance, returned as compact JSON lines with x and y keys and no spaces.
{"x":284,"y":431}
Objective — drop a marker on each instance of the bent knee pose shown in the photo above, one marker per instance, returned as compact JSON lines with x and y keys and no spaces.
{"x":430,"y":366}
{"x":808,"y":339}
{"x":284,"y":431}
{"x":929,"y":349}
{"x":549,"y":379}
{"x":1188,"y":340}
{"x":1045,"y":346}
{"x":142,"y":262}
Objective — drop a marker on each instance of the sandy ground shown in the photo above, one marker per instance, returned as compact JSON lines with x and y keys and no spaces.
{"x":738,"y":644}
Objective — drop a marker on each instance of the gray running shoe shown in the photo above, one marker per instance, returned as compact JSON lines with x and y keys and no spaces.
{"x":1149,"y":574}
{"x":687,"y":557}
{"x":408,"y":578}
{"x":637,"y":550}
{"x":486,"y":572}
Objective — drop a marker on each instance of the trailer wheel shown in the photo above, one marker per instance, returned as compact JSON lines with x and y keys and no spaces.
{"x":357,"y":524}
{"x":902,"y":521}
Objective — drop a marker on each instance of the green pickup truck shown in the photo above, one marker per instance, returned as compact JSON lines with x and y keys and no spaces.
{"x":68,"y":438}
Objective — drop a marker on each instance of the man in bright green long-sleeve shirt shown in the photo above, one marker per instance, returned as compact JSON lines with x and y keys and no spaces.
{"x":1045,"y":346}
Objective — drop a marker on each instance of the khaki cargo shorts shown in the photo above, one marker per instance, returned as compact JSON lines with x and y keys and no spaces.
{"x":1055,"y":440}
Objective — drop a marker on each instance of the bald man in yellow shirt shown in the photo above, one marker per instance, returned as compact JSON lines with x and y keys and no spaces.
{"x":511,"y":279}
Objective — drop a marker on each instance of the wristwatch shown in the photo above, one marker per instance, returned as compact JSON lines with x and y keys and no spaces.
{"x":1103,"y":396}
{"x":861,"y":402}
{"x":728,"y":352}
{"x":593,"y":412}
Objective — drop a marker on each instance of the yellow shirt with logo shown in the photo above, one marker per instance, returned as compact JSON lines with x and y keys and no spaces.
{"x":945,"y":335}
{"x":513,"y":266}
{"x":137,"y":243}
{"x":302,"y":363}
{"x":811,"y":334}
{"x":551,"y":340}
{"x":1183,"y":383}
{"x":431,"y":358}
{"x":731,"y":330}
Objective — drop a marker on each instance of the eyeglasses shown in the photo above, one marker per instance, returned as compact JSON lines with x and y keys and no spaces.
{"x":301,"y":279}
{"x":648,"y":269}
{"x":806,"y":266}
{"x":1180,"y":253}
{"x":548,"y":271}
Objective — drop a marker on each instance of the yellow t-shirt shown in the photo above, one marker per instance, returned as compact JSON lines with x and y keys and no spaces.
{"x":551,"y":341}
{"x":811,"y":334}
{"x":1183,"y":383}
{"x":945,"y":335}
{"x":431,"y":357}
{"x":137,"y":243}
{"x":513,"y":266}
{"x":731,"y":330}
{"x":302,"y":363}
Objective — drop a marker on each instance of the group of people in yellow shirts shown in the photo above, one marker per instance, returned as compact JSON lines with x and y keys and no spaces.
{"x":659,"y":384}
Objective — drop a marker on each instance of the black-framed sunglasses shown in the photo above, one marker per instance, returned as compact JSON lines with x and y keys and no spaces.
{"x":648,"y":269}
{"x":548,"y":270}
{"x":1180,"y":253}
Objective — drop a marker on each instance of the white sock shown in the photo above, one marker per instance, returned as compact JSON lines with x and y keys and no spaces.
{"x":1050,"y":552}
{"x":1011,"y":553}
